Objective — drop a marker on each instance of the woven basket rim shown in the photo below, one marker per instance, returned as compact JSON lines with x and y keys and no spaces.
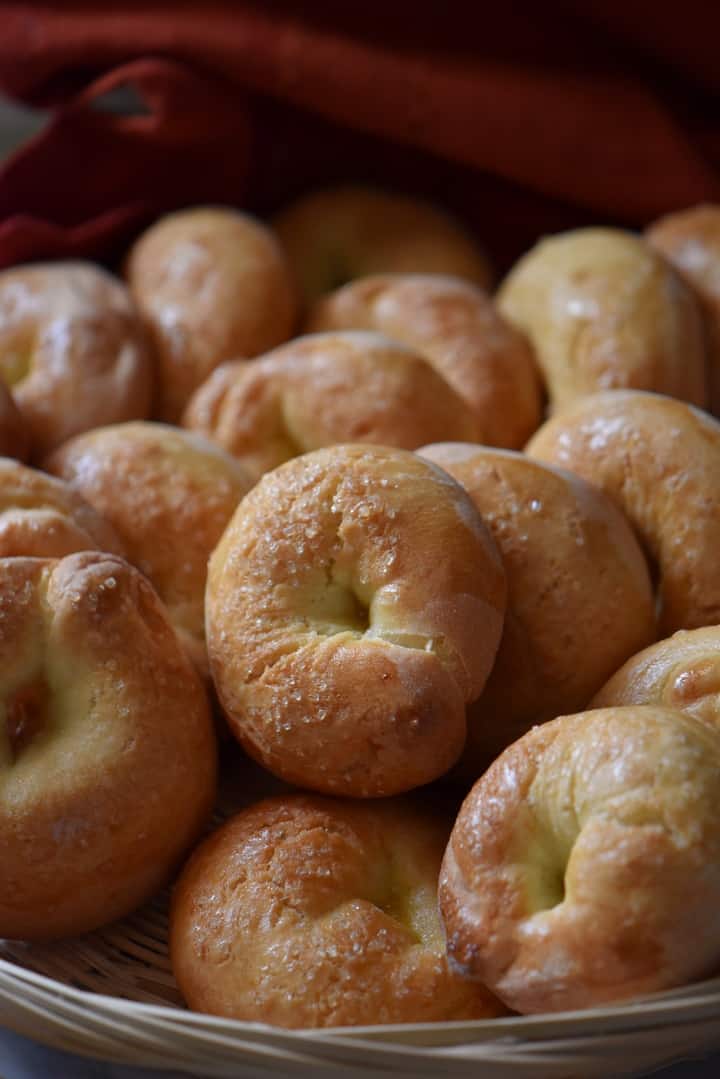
{"x":672,"y":1004}
{"x":629,"y":1038}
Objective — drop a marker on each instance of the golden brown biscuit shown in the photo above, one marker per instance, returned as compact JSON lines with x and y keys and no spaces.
{"x":454,"y":325}
{"x":213,"y":285}
{"x":72,"y":350}
{"x":312,"y":912}
{"x":323,"y":389}
{"x":682,"y":672}
{"x":659,"y":459}
{"x":107,"y":755}
{"x":14,"y":438}
{"x":168,"y":494}
{"x":690,"y":240}
{"x":42,"y":517}
{"x":580,"y":599}
{"x":604,"y":311}
{"x":334,"y":235}
{"x":584,"y":866}
{"x":354,"y":605}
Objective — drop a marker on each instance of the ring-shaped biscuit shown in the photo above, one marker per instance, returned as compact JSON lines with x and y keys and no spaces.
{"x":604,"y":311}
{"x":304,"y":911}
{"x":456,"y":327}
{"x":354,"y":605}
{"x":322,"y":389}
{"x":43,"y":517}
{"x":584,"y":866}
{"x":72,"y":350}
{"x":107,"y":753}
{"x":580,"y":599}
{"x":659,"y":459}
{"x":168,"y":494}
{"x":334,"y":235}
{"x":212,"y":284}
{"x":690,"y":241}
{"x":683,"y":671}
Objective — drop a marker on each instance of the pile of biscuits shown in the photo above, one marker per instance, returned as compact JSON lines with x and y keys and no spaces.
{"x":444,"y":563}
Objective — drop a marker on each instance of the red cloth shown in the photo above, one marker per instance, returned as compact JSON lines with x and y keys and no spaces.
{"x":541,"y":116}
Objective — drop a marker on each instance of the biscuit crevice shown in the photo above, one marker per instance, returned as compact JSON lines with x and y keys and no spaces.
{"x":26,"y":716}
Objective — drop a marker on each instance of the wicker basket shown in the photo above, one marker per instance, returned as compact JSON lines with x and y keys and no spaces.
{"x":111,"y":995}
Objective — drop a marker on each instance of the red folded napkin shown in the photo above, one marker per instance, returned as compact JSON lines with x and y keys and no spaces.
{"x":524,"y":120}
